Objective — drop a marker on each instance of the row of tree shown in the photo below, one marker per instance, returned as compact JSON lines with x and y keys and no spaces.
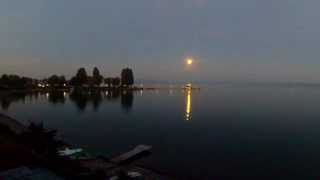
{"x":15,"y":81}
{"x":80,"y":79}
{"x":56,"y":81}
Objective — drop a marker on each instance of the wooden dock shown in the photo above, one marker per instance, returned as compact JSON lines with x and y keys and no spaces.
{"x":137,"y":151}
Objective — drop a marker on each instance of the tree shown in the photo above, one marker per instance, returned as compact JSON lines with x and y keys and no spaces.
{"x":108,"y":81}
{"x":97,"y":78}
{"x":82,"y":76}
{"x":53,"y":81}
{"x":80,"y":79}
{"x":116,"y":82}
{"x":15,"y":81}
{"x":56,"y":81}
{"x":127,"y":78}
{"x":4,"y":79}
{"x":62,"y":80}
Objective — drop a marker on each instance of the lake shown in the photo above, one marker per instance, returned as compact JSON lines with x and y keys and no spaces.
{"x":218,"y":132}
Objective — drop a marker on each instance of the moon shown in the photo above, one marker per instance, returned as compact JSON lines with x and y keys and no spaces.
{"x":189,"y":61}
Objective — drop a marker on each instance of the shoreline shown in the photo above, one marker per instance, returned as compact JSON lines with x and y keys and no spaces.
{"x":98,"y":88}
{"x":5,"y":92}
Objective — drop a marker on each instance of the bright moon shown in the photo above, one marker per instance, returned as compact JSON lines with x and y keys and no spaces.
{"x":189,"y":61}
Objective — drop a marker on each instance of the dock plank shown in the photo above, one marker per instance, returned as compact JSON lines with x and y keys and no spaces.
{"x":131,"y":154}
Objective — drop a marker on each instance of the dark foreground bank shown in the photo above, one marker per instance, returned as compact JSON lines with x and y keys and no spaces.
{"x":32,"y":152}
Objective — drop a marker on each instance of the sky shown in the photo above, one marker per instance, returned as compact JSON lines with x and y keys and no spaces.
{"x":229,"y":40}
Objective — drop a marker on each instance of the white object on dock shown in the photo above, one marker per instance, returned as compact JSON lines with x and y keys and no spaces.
{"x":131,"y":154}
{"x":69,"y":152}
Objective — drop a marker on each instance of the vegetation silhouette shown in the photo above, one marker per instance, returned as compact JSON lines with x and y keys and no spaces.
{"x":84,"y":88}
{"x":96,"y":77}
{"x":127,"y":78}
{"x":16,"y":82}
{"x":112,"y":82}
{"x":44,"y":145}
{"x":116,"y":82}
{"x":41,"y":140}
{"x":57,"y":81}
{"x":108,"y":81}
{"x":80,"y":79}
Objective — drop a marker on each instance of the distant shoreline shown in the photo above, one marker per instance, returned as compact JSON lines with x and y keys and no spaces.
{"x":5,"y":91}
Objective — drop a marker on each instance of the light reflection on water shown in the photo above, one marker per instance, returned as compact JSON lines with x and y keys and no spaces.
{"x":188,"y":105}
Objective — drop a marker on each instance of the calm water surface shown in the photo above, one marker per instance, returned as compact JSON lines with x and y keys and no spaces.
{"x":221,"y":132}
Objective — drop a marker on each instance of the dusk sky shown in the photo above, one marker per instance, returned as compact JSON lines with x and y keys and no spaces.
{"x":230,"y":40}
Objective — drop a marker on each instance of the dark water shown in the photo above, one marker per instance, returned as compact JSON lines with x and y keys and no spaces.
{"x":224,"y":132}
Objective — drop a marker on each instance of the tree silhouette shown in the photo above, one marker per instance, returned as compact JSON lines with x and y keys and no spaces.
{"x":116,"y":82}
{"x":62,"y":80}
{"x":4,"y":80}
{"x":127,"y":78}
{"x":15,"y":82}
{"x":53,"y":80}
{"x":97,"y":78}
{"x":56,"y":81}
{"x":80,"y":79}
{"x":108,"y":81}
